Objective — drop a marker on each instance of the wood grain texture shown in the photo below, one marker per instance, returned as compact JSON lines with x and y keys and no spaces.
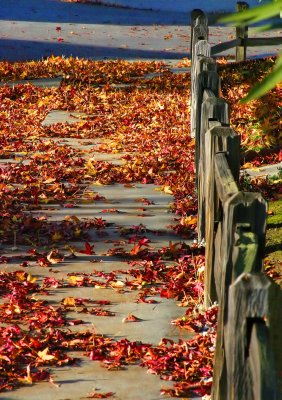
{"x":207,"y":79}
{"x":218,"y":139}
{"x":200,"y":31}
{"x":241,"y":34}
{"x":194,"y":15}
{"x":219,"y":48}
{"x":248,"y":353}
{"x":225,"y":182}
{"x":250,"y":363}
{"x":201,"y":62}
{"x":244,"y":218}
{"x":213,"y":109}
{"x":270,"y":41}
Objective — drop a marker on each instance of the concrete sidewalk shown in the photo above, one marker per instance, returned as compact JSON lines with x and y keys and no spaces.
{"x":35,"y":30}
{"x":123,"y":204}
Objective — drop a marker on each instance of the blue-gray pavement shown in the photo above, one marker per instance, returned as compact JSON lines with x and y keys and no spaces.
{"x":179,"y":5}
{"x":60,"y":11}
{"x":32,"y":29}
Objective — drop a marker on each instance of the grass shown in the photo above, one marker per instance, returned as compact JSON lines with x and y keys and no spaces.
{"x":273,"y":248}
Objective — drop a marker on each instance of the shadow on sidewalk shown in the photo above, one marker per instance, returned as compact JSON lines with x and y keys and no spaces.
{"x":60,"y":12}
{"x":24,"y":50}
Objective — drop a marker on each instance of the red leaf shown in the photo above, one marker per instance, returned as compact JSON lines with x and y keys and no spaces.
{"x":95,"y":395}
{"x":88,"y":249}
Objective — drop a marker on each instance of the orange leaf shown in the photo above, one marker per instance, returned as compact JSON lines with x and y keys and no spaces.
{"x":131,"y":318}
{"x":28,"y":378}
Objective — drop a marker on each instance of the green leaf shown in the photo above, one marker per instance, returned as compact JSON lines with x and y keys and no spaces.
{"x":250,"y":16}
{"x":268,"y":83}
{"x":255,"y":14}
{"x":268,"y":27}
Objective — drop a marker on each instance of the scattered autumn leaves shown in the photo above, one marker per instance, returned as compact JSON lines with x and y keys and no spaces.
{"x":147,"y":120}
{"x":259,"y":128}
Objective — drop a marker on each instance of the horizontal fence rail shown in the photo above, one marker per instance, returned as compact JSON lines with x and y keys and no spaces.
{"x":247,"y":42}
{"x":231,"y":224}
{"x":242,"y":40}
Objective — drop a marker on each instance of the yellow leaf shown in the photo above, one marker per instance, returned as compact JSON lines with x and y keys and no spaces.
{"x":74,"y":280}
{"x":41,"y":103}
{"x":44,"y":356}
{"x":20,"y":275}
{"x":167,"y":190}
{"x":70,"y":248}
{"x":54,"y":257}
{"x":77,"y":232}
{"x":117,"y":285}
{"x":5,"y":358}
{"x":13,"y":308}
{"x":57,"y":236}
{"x":31,"y":278}
{"x":247,"y":165}
{"x":50,"y":180}
{"x":90,"y":167}
{"x":191,"y":220}
{"x":23,"y":75}
{"x":69,"y":302}
{"x":72,"y":218}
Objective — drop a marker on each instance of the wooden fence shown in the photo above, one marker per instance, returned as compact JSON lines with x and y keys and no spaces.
{"x":242,"y":40}
{"x":231,"y":223}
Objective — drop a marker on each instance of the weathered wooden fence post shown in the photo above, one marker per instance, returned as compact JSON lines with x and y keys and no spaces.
{"x":199,"y":33}
{"x":251,"y":337}
{"x":199,"y":29}
{"x":225,"y":143}
{"x":248,"y":351}
{"x":213,"y":109}
{"x":241,"y":34}
{"x":194,"y":15}
{"x":206,"y":77}
{"x":241,"y":249}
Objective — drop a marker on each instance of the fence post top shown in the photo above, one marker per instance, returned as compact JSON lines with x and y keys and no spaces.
{"x":201,"y":19}
{"x":241,"y":5}
{"x":196,"y":12}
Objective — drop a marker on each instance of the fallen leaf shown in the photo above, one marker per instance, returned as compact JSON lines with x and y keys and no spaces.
{"x":88,"y":249}
{"x":44,"y":356}
{"x":131,"y":318}
{"x":117,"y":284}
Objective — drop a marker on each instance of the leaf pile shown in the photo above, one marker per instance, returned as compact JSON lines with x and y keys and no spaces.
{"x":147,"y":119}
{"x":258,"y":127}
